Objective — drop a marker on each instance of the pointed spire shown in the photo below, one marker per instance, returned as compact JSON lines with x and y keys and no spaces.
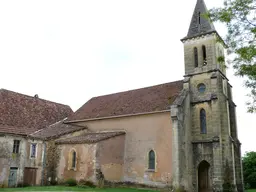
{"x":199,"y":24}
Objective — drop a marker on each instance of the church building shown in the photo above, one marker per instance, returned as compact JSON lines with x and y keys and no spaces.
{"x":181,"y":133}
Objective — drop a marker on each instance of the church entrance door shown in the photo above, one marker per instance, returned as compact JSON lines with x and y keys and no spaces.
{"x":203,"y":176}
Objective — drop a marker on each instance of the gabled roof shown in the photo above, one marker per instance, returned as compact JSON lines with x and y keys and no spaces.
{"x":145,"y":100}
{"x":89,"y":138}
{"x":19,"y":111}
{"x":56,"y":130}
{"x":199,"y":24}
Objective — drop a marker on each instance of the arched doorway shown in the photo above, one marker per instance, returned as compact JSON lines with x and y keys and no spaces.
{"x":203,"y":177}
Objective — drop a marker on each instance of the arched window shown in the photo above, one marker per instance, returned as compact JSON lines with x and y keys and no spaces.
{"x":151,"y":160}
{"x":203,"y":121}
{"x":74,"y":159}
{"x":196,"y":57}
{"x":204,"y":55}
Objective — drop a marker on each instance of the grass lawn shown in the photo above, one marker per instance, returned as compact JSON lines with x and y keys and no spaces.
{"x":69,"y":189}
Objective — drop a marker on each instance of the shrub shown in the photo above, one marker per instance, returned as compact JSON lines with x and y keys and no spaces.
{"x":71,"y":182}
{"x":53,"y":182}
{"x":90,"y":184}
{"x":227,"y":187}
{"x":180,"y":189}
{"x":20,"y":184}
{"x":247,"y":186}
{"x":85,"y":183}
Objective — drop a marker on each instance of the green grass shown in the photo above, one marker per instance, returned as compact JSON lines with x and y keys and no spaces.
{"x":69,"y":189}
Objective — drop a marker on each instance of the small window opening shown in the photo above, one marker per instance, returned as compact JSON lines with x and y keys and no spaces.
{"x":33,"y":150}
{"x":201,"y":88}
{"x":196,"y":57}
{"x":203,"y":121}
{"x":16,"y":146}
{"x":204,"y":55}
{"x":199,"y":18}
{"x":74,"y":159}
{"x":151,"y":160}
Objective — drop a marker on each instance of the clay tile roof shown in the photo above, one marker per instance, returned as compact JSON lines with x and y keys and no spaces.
{"x":18,"y":110}
{"x":148,"y":99}
{"x":16,"y":130}
{"x":89,"y":138}
{"x":56,"y":130}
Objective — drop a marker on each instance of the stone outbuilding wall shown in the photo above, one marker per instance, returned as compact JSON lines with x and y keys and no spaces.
{"x":19,"y":163}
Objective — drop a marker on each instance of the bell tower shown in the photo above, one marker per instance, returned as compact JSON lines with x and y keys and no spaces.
{"x":205,"y":44}
{"x":206,"y":153}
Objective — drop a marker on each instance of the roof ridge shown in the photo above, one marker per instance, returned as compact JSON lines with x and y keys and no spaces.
{"x":29,"y":96}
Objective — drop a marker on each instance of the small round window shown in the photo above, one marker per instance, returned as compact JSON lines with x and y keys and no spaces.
{"x":201,"y":87}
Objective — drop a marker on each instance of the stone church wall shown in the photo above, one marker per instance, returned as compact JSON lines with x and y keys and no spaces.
{"x":110,"y":156}
{"x":85,"y":161}
{"x":143,"y":133}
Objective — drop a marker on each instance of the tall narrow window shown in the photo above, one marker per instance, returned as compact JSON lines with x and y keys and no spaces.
{"x":196,"y":57}
{"x":16,"y":146}
{"x":199,"y":18}
{"x":151,"y":160}
{"x":204,"y":55}
{"x":74,"y":159}
{"x":203,"y":121}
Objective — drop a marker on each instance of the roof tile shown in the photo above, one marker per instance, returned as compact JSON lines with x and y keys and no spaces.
{"x":56,"y":130}
{"x":90,"y":138}
{"x":19,"y":111}
{"x":148,"y":99}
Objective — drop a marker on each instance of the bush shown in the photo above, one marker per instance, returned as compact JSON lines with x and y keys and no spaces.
{"x":247,"y":186}
{"x":21,"y":184}
{"x":227,"y":187}
{"x":53,"y":182}
{"x":84,"y":183}
{"x":90,"y":184}
{"x":71,"y":182}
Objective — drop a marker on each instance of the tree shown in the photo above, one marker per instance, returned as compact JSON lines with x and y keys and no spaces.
{"x":249,"y":168}
{"x":240,"y":18}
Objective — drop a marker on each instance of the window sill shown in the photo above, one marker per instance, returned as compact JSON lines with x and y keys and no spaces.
{"x":151,"y":170}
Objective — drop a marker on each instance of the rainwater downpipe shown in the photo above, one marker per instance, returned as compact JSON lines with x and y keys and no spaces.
{"x":43,"y":167}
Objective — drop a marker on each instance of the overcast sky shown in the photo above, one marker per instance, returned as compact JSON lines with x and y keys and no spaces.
{"x":69,"y":51}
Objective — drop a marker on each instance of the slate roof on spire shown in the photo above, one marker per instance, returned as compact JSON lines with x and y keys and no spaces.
{"x":199,"y":25}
